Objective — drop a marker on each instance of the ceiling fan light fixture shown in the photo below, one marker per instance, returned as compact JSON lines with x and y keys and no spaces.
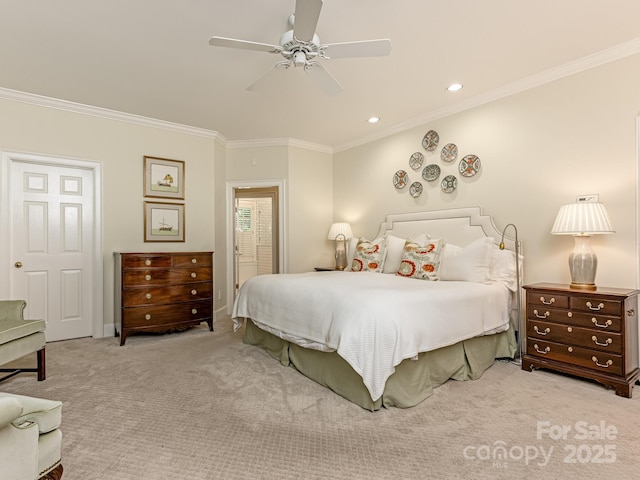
{"x":299,"y":59}
{"x":454,"y":87}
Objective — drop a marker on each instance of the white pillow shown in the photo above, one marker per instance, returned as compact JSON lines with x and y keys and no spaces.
{"x":395,"y":247}
{"x":503,"y":268}
{"x":469,"y":264}
{"x":351,"y":252}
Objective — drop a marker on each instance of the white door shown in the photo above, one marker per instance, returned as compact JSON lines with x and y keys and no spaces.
{"x":51,"y":212}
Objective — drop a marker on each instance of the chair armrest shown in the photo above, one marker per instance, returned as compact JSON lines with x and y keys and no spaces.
{"x":12,"y":309}
{"x":10,"y":409}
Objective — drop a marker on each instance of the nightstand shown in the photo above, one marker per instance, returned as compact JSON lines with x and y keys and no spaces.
{"x":325,"y":269}
{"x":588,"y":333}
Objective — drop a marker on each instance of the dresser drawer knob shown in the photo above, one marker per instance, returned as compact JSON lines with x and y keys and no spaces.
{"x":540,"y":332}
{"x":147,"y":262}
{"x":194,"y":311}
{"x":147,"y":277}
{"x":543,"y":352}
{"x":570,"y":349}
{"x":569,"y":329}
{"x":603,"y":365}
{"x":193,"y":274}
{"x":194,"y":292}
{"x":606,"y":343}
{"x":600,"y":306}
{"x":547,"y":302}
{"x":544,"y":315}
{"x":193,"y":260}
{"x":606,"y":324}
{"x":148,"y":295}
{"x":147,"y":317}
{"x":631,"y":312}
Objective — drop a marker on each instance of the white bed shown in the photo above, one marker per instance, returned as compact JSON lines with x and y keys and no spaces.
{"x":379,"y":324}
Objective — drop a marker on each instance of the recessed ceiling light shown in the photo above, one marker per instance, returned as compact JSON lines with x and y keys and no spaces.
{"x":373,"y":120}
{"x":454,"y":87}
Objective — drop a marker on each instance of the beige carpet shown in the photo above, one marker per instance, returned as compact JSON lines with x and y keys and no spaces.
{"x":200,"y":405}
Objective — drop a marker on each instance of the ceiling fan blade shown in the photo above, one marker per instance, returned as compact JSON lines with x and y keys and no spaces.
{"x":365,"y":48}
{"x":323,"y":78}
{"x":271,"y":76}
{"x":306,"y":19}
{"x":244,"y":44}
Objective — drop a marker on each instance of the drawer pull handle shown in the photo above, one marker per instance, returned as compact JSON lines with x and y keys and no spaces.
{"x":631,"y":312}
{"x":550,"y":302}
{"x":599,"y":307}
{"x":544,"y":315}
{"x":193,"y":274}
{"x":147,"y":317}
{"x":607,"y":342}
{"x":147,"y":277}
{"x":539,"y":332}
{"x":148,"y":295}
{"x":606,"y":324}
{"x":543,"y":352}
{"x":147,"y":262}
{"x":194,"y":292}
{"x":603,"y":365}
{"x":194,"y":311}
{"x":193,"y":260}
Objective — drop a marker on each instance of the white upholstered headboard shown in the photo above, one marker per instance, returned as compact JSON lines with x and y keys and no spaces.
{"x":459,"y":226}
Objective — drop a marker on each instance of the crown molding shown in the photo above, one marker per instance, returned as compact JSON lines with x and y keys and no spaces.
{"x":279,"y":142}
{"x":73,"y":107}
{"x":585,"y":63}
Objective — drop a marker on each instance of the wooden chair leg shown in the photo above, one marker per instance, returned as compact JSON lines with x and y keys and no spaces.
{"x":42,"y":373}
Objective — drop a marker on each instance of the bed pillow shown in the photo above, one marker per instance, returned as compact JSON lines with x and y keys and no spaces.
{"x":395,"y":247}
{"x":369,"y":255}
{"x":503,"y":268}
{"x":468,"y":264}
{"x":421,"y":260}
{"x":351,"y":251}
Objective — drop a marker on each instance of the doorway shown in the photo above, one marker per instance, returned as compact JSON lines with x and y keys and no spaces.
{"x":53,"y":256}
{"x":256,"y":233}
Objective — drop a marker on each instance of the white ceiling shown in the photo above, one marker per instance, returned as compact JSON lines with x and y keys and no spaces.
{"x":152,"y":58}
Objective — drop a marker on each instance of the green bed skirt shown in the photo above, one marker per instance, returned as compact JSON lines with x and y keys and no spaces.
{"x":412,"y":381}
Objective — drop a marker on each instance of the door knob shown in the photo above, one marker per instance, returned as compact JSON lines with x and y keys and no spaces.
{"x":18,"y":264}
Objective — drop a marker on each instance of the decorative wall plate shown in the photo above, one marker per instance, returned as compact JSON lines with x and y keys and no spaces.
{"x":469,"y":166}
{"x":449,"y":183}
{"x":430,"y":140}
{"x":416,"y":160}
{"x":415,"y":189}
{"x":449,"y":152}
{"x":400,"y":179}
{"x":431,"y":172}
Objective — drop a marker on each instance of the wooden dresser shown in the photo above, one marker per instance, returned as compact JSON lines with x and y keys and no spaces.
{"x":162,"y":292}
{"x":590,"y":334}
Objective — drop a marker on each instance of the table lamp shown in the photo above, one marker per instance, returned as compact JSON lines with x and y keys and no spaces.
{"x":340,"y":233}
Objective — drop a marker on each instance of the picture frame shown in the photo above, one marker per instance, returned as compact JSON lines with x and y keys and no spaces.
{"x":163,"y":222}
{"x":163,"y":178}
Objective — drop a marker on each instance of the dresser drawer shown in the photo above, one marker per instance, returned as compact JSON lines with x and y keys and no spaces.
{"x":146,"y":260}
{"x":583,"y":357}
{"x":536,"y":312}
{"x":596,"y":305}
{"x":134,"y":296}
{"x":163,"y":276}
{"x":153,"y":316}
{"x":597,"y":322}
{"x":546,"y":299}
{"x":575,"y":336}
{"x":192,"y":260}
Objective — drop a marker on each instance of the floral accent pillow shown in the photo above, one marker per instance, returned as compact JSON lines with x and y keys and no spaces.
{"x":369,"y":255}
{"x":421,"y":261}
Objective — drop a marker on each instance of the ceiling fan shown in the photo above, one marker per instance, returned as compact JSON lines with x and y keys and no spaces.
{"x":301,"y":47}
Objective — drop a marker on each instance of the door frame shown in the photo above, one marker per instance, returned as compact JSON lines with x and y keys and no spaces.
{"x":283,"y":260}
{"x":8,"y":156}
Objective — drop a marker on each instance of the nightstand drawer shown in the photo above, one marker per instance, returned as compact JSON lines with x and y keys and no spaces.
{"x":591,"y":359}
{"x":546,"y":299}
{"x":597,"y":322}
{"x":596,"y":305}
{"x":575,"y":336}
{"x":546,"y":313}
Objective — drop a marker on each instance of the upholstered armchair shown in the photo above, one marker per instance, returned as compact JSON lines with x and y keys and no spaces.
{"x":20,"y":337}
{"x":30,"y":440}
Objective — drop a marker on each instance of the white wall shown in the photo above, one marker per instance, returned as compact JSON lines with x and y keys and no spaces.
{"x":120,"y":147}
{"x":539,"y":149}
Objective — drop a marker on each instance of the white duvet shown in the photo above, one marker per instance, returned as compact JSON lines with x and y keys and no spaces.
{"x":374,"y":321}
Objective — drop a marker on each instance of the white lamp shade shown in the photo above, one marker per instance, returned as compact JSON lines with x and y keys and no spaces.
{"x":582,"y":218}
{"x":340,"y":229}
